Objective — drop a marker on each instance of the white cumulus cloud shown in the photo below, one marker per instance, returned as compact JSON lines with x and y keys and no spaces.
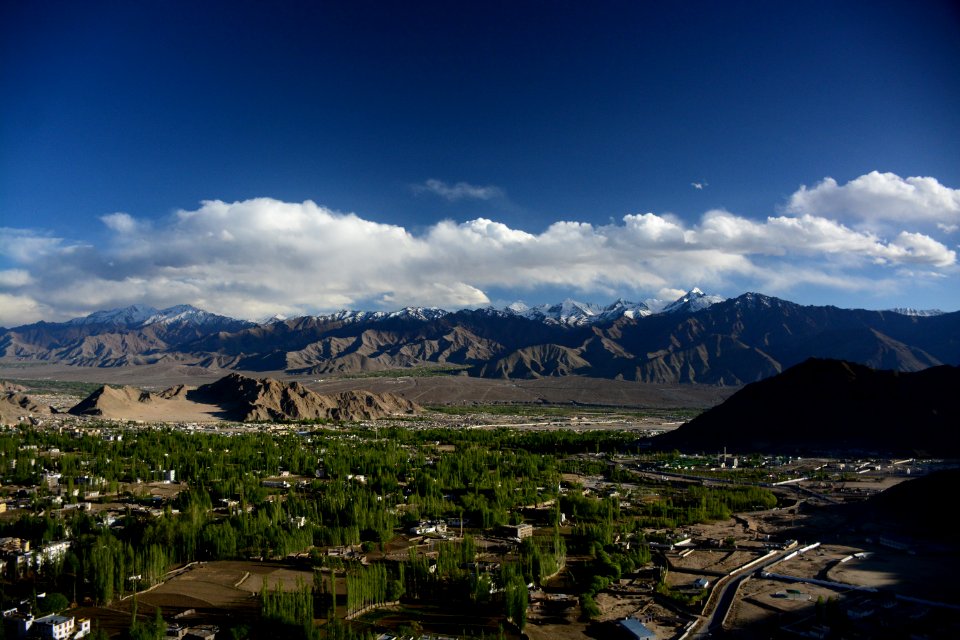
{"x":262,"y":256}
{"x":119,"y":222}
{"x":876,"y":197}
{"x":16,"y":310}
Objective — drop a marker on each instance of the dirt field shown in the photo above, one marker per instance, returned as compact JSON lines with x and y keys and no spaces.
{"x":708,"y":563}
{"x":763,"y":602}
{"x":920,"y":576}
{"x":223,"y":584}
{"x":218,"y":593}
{"x":925,"y":576}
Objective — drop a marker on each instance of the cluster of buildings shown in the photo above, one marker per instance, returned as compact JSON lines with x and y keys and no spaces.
{"x":19,"y":558}
{"x":55,"y":627}
{"x":429,"y":526}
{"x":200,"y":632}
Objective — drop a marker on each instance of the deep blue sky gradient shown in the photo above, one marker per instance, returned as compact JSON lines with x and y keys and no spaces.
{"x":577,"y":111}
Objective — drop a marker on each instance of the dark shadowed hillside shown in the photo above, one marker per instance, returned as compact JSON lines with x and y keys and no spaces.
{"x":829,"y":406}
{"x":916,"y":505}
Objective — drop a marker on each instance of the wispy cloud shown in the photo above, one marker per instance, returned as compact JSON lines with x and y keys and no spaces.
{"x":458,"y":191}
{"x":262,"y":256}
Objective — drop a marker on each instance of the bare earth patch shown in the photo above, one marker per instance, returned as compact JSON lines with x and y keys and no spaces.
{"x":223,"y":584}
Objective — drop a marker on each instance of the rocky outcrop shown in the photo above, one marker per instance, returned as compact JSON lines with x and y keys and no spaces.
{"x":16,"y":407}
{"x":245,"y":399}
{"x":265,"y":399}
{"x":111,"y":401}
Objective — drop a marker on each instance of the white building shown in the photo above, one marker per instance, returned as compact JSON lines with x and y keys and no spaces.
{"x":518,"y":531}
{"x":429,"y":526}
{"x":53,"y":626}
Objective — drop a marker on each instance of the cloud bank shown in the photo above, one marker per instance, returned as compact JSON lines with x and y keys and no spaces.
{"x":257,"y":257}
{"x":881,"y":197}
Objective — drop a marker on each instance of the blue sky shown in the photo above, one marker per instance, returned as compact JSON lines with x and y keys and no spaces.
{"x":255,"y":159}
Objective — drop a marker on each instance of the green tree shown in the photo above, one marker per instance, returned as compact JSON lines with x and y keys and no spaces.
{"x":54,"y":603}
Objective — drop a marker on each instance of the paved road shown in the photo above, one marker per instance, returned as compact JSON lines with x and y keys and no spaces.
{"x":712,"y":623}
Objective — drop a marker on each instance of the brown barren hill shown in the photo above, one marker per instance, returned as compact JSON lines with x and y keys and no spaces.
{"x":108,"y":401}
{"x":252,"y":399}
{"x":240,"y":398}
{"x":16,"y":406}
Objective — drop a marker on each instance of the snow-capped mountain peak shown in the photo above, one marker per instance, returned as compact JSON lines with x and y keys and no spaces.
{"x":692,"y":301}
{"x":922,"y":313}
{"x":623,"y":308}
{"x":419,"y":313}
{"x":569,"y":312}
{"x":181,"y":313}
{"x":139,"y":315}
{"x":572,"y":311}
{"x":134,"y":315}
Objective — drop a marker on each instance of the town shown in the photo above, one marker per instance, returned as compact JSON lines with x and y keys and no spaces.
{"x":557,"y":524}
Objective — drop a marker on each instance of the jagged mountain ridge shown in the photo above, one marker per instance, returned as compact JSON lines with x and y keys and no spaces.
{"x":139,"y":316}
{"x":129,"y":336}
{"x":731,"y":342}
{"x":831,"y":406}
{"x":692,"y":301}
{"x":572,"y":313}
{"x":750,"y":338}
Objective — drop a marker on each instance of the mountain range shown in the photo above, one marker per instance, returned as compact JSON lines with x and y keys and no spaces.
{"x":697,"y":339}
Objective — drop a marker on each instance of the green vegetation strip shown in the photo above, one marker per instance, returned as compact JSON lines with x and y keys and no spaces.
{"x":65,"y":387}
{"x":565,"y":410}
